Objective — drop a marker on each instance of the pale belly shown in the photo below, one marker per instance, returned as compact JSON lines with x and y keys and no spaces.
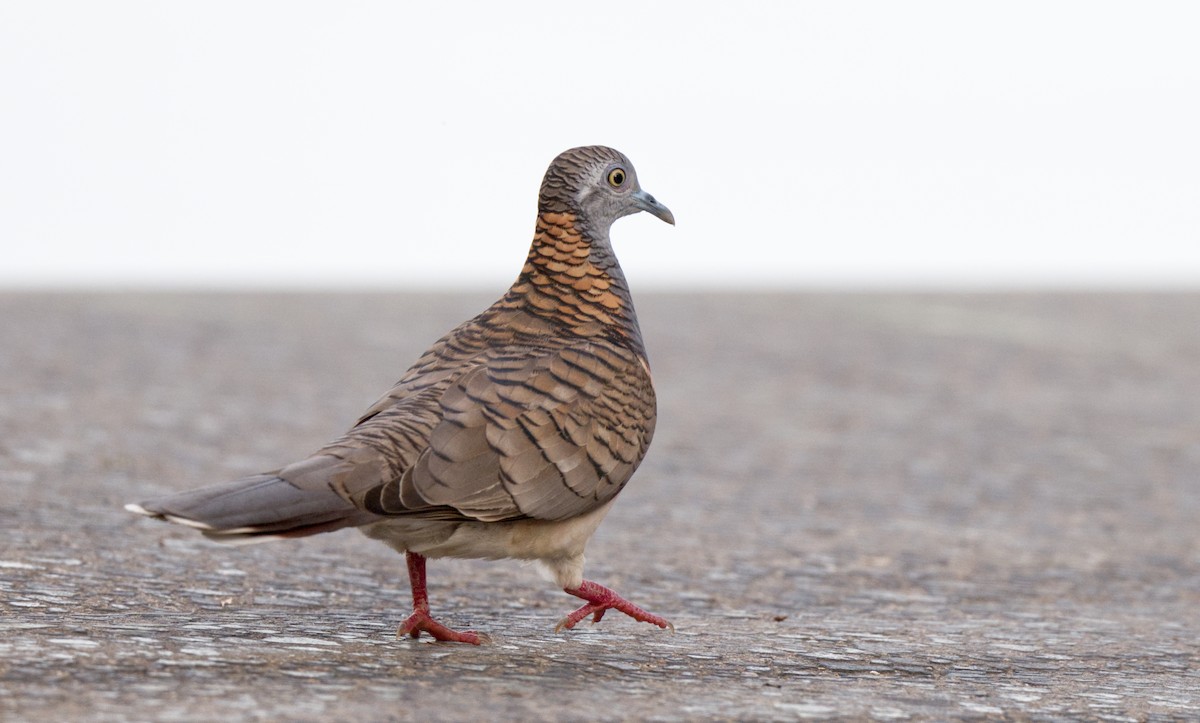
{"x":559,"y":546}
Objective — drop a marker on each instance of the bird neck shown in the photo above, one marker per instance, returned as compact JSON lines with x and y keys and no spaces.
{"x":572,"y":279}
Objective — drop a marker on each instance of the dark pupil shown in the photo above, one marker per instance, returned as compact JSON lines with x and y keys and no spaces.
{"x":618,"y":178}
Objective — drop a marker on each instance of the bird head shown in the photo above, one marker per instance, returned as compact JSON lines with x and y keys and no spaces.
{"x":600,"y":185}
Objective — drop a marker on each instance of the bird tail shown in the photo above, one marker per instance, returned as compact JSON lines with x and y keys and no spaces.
{"x":255,"y":509}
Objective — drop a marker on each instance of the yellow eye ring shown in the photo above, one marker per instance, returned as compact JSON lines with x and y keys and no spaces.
{"x":616,"y":177}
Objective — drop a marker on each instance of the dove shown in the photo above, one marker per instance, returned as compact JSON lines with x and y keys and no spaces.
{"x":509,"y":438}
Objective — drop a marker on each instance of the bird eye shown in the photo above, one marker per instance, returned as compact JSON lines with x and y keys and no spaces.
{"x":616,"y":177}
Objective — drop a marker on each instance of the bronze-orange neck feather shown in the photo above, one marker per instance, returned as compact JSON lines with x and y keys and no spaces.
{"x":571,"y":283}
{"x":573,"y":280}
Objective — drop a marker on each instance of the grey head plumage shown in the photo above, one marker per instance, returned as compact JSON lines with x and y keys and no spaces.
{"x":600,"y":184}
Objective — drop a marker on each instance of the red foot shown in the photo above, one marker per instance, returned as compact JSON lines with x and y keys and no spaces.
{"x":421,"y":621}
{"x":601,"y":599}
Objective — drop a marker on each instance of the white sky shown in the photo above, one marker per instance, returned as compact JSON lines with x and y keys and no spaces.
{"x":394,"y":145}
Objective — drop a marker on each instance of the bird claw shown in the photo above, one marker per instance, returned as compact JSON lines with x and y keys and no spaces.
{"x":600,"y":600}
{"x":421,"y":622}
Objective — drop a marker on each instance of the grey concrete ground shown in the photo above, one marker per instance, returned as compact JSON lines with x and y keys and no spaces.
{"x":877,"y":506}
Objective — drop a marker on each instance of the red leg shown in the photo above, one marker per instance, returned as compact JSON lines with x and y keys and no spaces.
{"x":601,"y":599}
{"x":421,"y":621}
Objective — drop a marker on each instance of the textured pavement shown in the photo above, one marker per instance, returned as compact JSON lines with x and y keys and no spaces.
{"x":886,"y":506}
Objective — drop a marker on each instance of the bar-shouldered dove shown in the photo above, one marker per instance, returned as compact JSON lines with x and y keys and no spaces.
{"x":509,"y":438}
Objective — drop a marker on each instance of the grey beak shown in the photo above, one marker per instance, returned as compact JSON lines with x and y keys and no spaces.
{"x":648,"y":203}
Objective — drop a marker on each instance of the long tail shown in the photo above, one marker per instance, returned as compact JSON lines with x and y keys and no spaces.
{"x":255,"y":509}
